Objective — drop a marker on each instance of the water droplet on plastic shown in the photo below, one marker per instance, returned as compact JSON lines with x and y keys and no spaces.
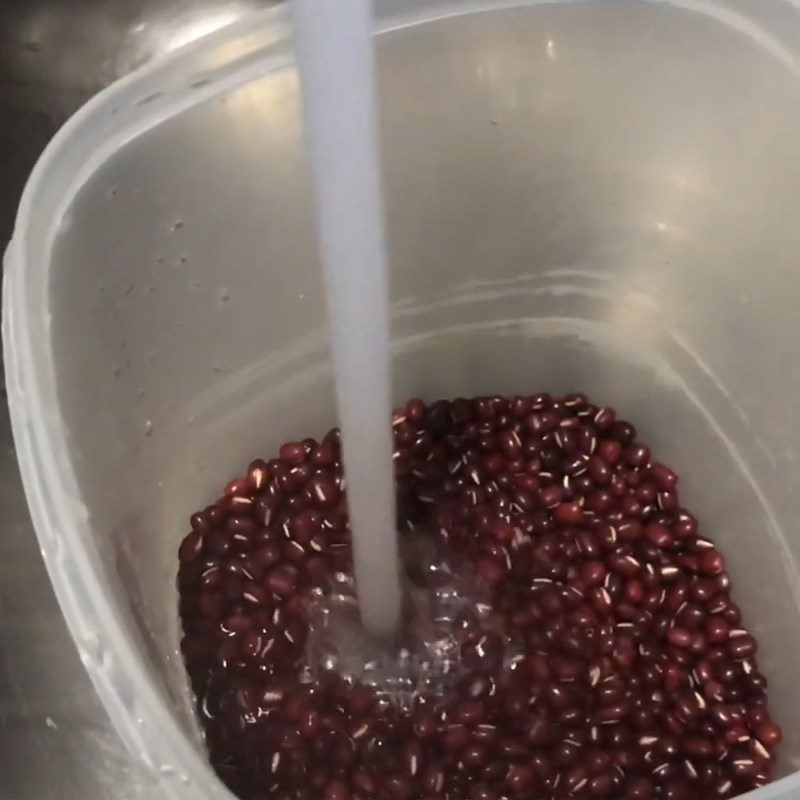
{"x":148,"y":428}
{"x":183,"y":259}
{"x":177,"y":225}
{"x":224,"y":295}
{"x":140,"y":393}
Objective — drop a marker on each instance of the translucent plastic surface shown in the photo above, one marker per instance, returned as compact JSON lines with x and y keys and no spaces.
{"x":581,"y":195}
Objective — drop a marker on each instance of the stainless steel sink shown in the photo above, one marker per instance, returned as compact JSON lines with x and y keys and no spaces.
{"x":55,"y":738}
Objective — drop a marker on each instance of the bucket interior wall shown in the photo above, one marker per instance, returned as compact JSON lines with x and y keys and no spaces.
{"x":581,"y":196}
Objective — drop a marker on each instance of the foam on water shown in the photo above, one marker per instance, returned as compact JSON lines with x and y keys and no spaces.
{"x":441,"y":601}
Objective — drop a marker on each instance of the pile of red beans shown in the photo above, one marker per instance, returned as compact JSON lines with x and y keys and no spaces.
{"x":631,"y":677}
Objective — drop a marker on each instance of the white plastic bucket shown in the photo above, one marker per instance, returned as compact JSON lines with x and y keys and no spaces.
{"x":598,"y":195}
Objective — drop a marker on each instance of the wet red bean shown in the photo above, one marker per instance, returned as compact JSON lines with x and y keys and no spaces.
{"x":717,"y":629}
{"x":712,"y":562}
{"x":768,"y":733}
{"x":520,"y":779}
{"x":605,"y":659}
{"x":292,"y":453}
{"x":433,"y":779}
{"x":659,"y":535}
{"x":191,"y":547}
{"x":483,"y":651}
{"x":639,"y":788}
{"x":282,"y":580}
{"x":663,"y":476}
{"x":600,"y":786}
{"x":741,"y":645}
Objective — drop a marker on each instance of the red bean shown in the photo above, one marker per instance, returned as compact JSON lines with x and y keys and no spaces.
{"x":191,"y":547}
{"x":282,"y":580}
{"x":425,"y":725}
{"x":609,"y":450}
{"x":593,"y":572}
{"x":626,"y":565}
{"x":741,"y":645}
{"x":520,"y":779}
{"x":717,"y":629}
{"x":663,"y":476}
{"x":484,"y":651}
{"x":629,"y":530}
{"x":639,"y":788}
{"x":659,"y":535}
{"x":568,"y":513}
{"x":433,"y":779}
{"x":599,"y":470}
{"x":456,"y":737}
{"x":637,"y":455}
{"x":541,"y":730}
{"x":469,"y":713}
{"x":712,"y":562}
{"x":481,"y":791}
{"x":622,"y":432}
{"x":679,"y":637}
{"x":601,"y":786}
{"x":768,"y":733}
{"x":605,"y":658}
